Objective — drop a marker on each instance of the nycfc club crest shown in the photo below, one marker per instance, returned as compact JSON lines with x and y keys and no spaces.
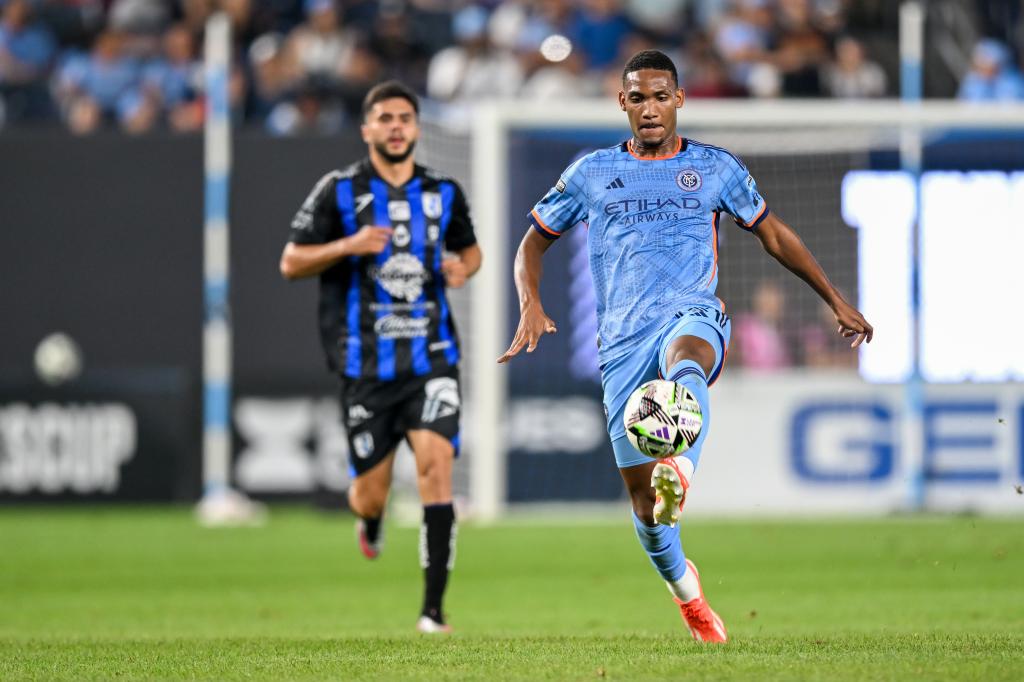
{"x":688,"y":180}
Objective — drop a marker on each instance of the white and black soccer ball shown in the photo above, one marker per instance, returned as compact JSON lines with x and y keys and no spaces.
{"x":58,"y":359}
{"x":662,"y":419}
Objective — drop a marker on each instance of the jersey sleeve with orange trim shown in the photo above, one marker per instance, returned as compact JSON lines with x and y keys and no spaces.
{"x":564,"y":205}
{"x":740,"y":197}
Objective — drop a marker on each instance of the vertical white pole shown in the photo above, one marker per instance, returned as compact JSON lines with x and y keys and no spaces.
{"x":490,"y":198}
{"x":216,"y":269}
{"x":912,"y":18}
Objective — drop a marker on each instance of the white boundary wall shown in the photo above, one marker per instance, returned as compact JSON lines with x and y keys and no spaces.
{"x":828,"y":443}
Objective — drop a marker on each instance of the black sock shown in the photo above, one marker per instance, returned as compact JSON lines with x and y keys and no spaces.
{"x":372,"y":527}
{"x":437,"y":555}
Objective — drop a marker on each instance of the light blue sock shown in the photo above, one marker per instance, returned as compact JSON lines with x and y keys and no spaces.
{"x":689,"y":374}
{"x":663,"y":546}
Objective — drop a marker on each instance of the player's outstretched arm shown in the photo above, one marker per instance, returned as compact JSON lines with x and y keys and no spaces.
{"x":306,"y":260}
{"x":785,"y":246}
{"x":533,"y":322}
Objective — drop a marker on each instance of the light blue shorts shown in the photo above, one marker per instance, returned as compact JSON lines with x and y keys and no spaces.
{"x":646,"y":361}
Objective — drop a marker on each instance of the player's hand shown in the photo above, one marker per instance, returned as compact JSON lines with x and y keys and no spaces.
{"x":455,"y":272}
{"x":852,"y":324}
{"x":369,"y":240}
{"x":533,"y":323}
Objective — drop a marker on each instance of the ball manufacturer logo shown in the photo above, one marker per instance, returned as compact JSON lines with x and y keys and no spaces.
{"x":689,"y":180}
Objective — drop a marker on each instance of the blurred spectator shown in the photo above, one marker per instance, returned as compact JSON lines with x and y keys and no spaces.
{"x":759,"y":334}
{"x":74,"y":22}
{"x":523,"y":26}
{"x":801,"y":49}
{"x":395,"y":46}
{"x":321,"y":51}
{"x":172,"y":84}
{"x":852,"y":76}
{"x":599,"y":29}
{"x":821,"y":346}
{"x":664,"y":19}
{"x":310,"y":110}
{"x":742,"y":39}
{"x":309,"y":62}
{"x":196,"y":12}
{"x":275,"y":16}
{"x":101,"y":87}
{"x":1001,"y":19}
{"x":707,"y":76}
{"x":474,"y":67}
{"x":992,"y":76}
{"x":27,"y":50}
{"x":556,"y":80}
{"x":270,"y":77}
{"x":432,"y":21}
{"x":139,"y":16}
{"x":316,"y":76}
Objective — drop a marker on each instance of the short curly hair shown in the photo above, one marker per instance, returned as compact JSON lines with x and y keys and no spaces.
{"x":390,"y":90}
{"x":650,"y":59}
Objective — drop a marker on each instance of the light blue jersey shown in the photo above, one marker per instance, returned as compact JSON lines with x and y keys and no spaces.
{"x":653,"y":231}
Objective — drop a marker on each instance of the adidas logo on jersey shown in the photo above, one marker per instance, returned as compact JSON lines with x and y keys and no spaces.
{"x":615,"y":184}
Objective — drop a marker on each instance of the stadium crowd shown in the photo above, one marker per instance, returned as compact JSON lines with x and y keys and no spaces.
{"x":303,"y":65}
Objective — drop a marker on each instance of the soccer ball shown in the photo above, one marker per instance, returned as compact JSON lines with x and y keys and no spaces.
{"x":662,"y":419}
{"x":58,"y":359}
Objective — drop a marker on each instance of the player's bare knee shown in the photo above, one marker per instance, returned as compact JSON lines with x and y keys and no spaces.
{"x":646,"y":515}
{"x":427,"y":472}
{"x":367,"y":498}
{"x":433,"y":477}
{"x":691,"y":348}
{"x":642,"y":500}
{"x":366,"y":501}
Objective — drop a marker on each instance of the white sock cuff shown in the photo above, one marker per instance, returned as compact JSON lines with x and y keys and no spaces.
{"x":686,"y":588}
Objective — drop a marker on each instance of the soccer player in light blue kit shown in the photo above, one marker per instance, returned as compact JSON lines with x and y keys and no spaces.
{"x":653,"y":206}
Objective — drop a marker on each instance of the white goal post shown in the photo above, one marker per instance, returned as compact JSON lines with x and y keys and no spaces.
{"x":493,"y":122}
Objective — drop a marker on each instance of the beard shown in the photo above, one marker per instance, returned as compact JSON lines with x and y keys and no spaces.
{"x":382,"y":149}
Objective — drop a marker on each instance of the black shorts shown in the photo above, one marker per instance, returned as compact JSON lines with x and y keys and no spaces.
{"x":377,"y":414}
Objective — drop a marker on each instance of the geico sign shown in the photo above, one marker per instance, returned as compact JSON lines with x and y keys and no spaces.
{"x":55,"y":448}
{"x":966,"y":441}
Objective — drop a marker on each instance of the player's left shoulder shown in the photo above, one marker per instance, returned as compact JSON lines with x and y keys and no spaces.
{"x":713,"y":155}
{"x":435,"y":181}
{"x":434,"y":175}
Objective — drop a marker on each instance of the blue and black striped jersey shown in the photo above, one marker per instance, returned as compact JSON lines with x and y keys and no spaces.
{"x":386,"y":316}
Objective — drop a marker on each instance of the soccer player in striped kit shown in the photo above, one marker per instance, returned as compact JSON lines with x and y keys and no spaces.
{"x":386,"y":237}
{"x":653,"y":205}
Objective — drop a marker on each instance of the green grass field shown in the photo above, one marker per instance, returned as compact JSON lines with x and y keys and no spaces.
{"x":145,"y":593}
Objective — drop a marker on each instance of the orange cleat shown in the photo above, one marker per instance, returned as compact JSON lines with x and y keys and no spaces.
{"x":370,"y":550}
{"x":670,"y":486}
{"x":429,"y":626}
{"x":702,"y":622}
